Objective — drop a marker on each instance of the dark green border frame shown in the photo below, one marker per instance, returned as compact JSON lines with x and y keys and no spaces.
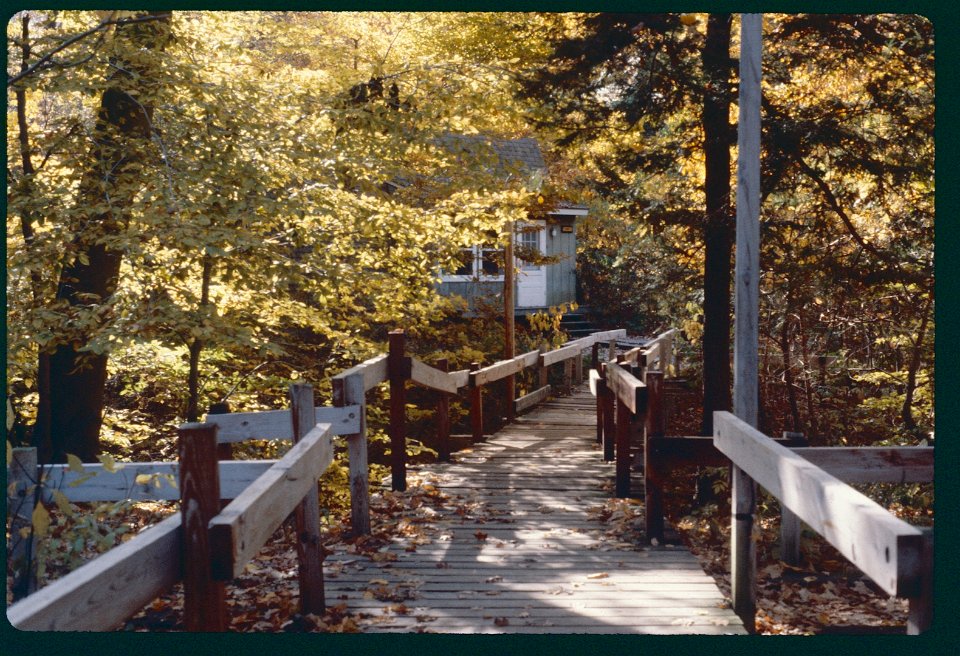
{"x":946,"y":629}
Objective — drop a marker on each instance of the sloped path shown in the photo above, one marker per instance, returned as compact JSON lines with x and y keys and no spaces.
{"x":520,"y":535}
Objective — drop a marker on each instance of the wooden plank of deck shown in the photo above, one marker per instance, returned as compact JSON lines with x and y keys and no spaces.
{"x":518,"y":546}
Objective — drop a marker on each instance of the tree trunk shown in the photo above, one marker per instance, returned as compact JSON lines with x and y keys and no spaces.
{"x":196,"y":346}
{"x":788,"y":373}
{"x":719,"y":227}
{"x":906,"y":412}
{"x":123,"y":128}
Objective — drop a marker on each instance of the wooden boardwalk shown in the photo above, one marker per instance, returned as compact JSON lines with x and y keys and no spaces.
{"x":515,"y":537}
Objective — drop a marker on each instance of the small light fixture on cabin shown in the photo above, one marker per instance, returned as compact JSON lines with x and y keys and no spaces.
{"x":553,"y":232}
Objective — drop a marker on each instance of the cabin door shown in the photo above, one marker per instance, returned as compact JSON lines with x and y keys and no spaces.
{"x":531,"y":277}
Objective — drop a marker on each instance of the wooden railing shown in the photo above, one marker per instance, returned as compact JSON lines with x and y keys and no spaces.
{"x":811,"y":484}
{"x":201,"y":545}
{"x":205,"y":546}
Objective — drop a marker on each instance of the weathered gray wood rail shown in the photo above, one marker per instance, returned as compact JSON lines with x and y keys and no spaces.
{"x":898,"y":557}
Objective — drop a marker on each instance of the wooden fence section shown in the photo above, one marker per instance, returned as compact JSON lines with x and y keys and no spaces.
{"x":894,"y":554}
{"x":197,"y":545}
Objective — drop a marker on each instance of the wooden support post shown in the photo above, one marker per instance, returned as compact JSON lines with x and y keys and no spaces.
{"x":790,"y":525}
{"x":509,"y":318}
{"x":578,"y":368}
{"x":746,"y":313}
{"x":609,"y":422}
{"x":743,"y":550}
{"x":601,"y":388}
{"x":612,"y":350}
{"x":309,"y":546}
{"x":567,"y":375}
{"x":350,"y":391}
{"x":543,"y":372}
{"x":666,"y":356}
{"x":595,"y":356}
{"x":225,"y":449}
{"x":23,"y":483}
{"x":443,"y":417}
{"x":623,"y":450}
{"x":398,"y":368}
{"x":921,"y":604}
{"x":476,"y":406}
{"x":204,"y":599}
{"x":654,"y":427}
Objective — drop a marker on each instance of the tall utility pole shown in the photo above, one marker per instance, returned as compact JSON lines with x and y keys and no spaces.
{"x":746,"y":305}
{"x":509,"y":331}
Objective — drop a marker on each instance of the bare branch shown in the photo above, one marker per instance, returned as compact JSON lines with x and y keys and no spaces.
{"x":78,"y":37}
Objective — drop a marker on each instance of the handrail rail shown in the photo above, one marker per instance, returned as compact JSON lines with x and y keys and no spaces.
{"x":894,"y":554}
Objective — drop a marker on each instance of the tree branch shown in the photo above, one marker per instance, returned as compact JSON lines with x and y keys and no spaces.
{"x":78,"y":37}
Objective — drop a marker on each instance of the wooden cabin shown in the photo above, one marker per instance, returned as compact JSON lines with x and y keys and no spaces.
{"x":553,"y":234}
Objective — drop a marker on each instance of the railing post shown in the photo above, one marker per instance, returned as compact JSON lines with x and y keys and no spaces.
{"x":623,"y":450}
{"x":612,"y":350}
{"x":350,"y":391}
{"x":609,"y":424}
{"x":595,"y":356}
{"x":568,"y":375}
{"x":476,"y":404}
{"x":24,"y":483}
{"x":743,"y":550}
{"x":225,"y":449}
{"x":443,"y":417}
{"x":398,"y":368}
{"x":652,"y":485}
{"x":578,"y":368}
{"x":789,"y":526}
{"x":920,"y":616}
{"x":543,"y":371}
{"x":204,"y":599}
{"x":309,"y":547}
{"x":666,"y":356}
{"x":601,"y":387}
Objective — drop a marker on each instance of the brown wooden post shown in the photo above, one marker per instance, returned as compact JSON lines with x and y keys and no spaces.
{"x":307,"y":514}
{"x":350,"y":391}
{"x":543,"y":372}
{"x":398,"y":369}
{"x":623,"y":450}
{"x":578,"y":368}
{"x":509,"y":319}
{"x":443,"y":417}
{"x":225,"y":449}
{"x":568,"y":374}
{"x":476,"y":405}
{"x":612,"y":350}
{"x":24,"y":484}
{"x":601,"y":388}
{"x":652,"y":485}
{"x":204,"y":599}
{"x":595,"y":355}
{"x":609,"y":421}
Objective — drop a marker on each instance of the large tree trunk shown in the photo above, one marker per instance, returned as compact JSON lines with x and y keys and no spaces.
{"x":719,"y":226}
{"x":124,"y":127}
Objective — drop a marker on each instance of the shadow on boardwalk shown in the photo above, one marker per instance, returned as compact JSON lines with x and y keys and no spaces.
{"x":516,"y":536}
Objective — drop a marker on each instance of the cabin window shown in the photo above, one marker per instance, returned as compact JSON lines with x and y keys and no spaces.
{"x":478,"y":263}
